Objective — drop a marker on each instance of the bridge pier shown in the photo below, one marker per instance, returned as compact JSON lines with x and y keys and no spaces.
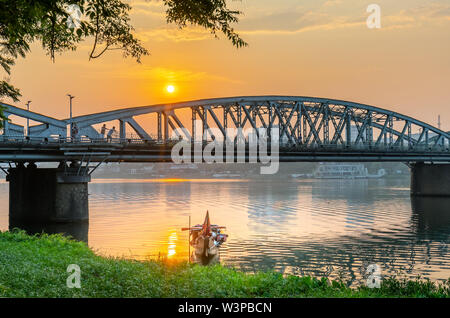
{"x":430,"y":179}
{"x":44,"y":196}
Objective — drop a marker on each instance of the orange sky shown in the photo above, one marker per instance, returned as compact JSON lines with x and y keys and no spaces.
{"x":297,"y":47}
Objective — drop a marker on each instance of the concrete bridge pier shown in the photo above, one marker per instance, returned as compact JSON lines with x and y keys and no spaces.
{"x":430,"y":179}
{"x":43,"y":196}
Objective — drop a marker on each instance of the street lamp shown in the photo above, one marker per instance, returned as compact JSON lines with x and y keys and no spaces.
{"x":28,"y":120}
{"x":71,"y":124}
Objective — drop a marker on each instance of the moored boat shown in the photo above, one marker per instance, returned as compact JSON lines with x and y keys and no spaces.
{"x":206,"y":240}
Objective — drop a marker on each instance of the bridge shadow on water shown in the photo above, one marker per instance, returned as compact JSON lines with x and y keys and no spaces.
{"x":431,"y":216}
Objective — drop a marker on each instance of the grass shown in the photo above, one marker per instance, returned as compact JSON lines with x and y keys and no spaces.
{"x":35,"y":266}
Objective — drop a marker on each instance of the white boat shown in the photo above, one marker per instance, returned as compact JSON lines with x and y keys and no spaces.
{"x":345,"y":171}
{"x":226,"y":175}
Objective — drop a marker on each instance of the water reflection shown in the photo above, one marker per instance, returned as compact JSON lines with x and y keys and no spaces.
{"x":270,"y":204}
{"x":353,"y":191}
{"x":317,"y":227}
{"x":417,"y":245}
{"x":78,"y":231}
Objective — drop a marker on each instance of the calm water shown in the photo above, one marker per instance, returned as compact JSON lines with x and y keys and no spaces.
{"x":319,"y":227}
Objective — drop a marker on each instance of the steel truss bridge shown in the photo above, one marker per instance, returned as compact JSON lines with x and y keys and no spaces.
{"x":310,"y":129}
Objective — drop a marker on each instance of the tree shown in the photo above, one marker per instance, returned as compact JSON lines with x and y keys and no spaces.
{"x":50,"y":22}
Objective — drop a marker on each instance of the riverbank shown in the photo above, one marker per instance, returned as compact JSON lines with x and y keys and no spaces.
{"x":35,"y":266}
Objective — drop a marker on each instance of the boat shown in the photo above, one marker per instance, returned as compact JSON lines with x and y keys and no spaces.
{"x":206,"y":239}
{"x":226,"y":175}
{"x":345,"y":171}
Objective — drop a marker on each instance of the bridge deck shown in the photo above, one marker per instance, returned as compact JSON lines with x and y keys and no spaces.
{"x":152,"y":151}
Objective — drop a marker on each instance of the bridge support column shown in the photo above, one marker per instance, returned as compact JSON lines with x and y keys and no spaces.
{"x":430,"y":179}
{"x":47,"y":195}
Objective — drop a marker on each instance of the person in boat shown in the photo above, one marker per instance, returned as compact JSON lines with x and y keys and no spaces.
{"x":219,"y":238}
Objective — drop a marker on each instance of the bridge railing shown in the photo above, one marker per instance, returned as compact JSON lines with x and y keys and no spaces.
{"x":284,"y":146}
{"x":67,"y":140}
{"x":365,"y":148}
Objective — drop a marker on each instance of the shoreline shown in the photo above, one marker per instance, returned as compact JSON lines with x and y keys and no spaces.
{"x":36,"y":266}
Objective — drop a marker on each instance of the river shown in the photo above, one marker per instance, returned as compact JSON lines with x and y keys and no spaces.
{"x":333,"y":228}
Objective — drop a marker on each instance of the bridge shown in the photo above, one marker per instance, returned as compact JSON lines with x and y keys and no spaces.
{"x":303,"y":129}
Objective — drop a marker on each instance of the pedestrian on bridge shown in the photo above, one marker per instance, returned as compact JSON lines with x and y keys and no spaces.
{"x":75,"y":132}
{"x":110,"y":134}
{"x":103,"y":131}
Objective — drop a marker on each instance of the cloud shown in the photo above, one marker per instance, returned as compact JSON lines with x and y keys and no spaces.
{"x":148,"y":8}
{"x":174,"y":34}
{"x":269,"y":19}
{"x":332,"y":3}
{"x":175,"y":75}
{"x":333,"y":25}
{"x":425,"y":15}
{"x":322,"y":19}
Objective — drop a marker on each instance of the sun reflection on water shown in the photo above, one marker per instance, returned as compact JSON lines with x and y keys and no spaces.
{"x":172,"y":246}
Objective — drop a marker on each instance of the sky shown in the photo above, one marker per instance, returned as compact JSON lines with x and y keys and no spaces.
{"x":320,"y":48}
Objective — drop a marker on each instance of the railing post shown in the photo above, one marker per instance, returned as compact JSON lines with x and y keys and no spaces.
{"x":166,"y":127}
{"x":159,"y":127}
{"x":194,"y":119}
{"x":270,"y":126}
{"x":348,"y":129}
{"x":5,"y":127}
{"x":369,"y":130}
{"x":225,"y":121}
{"x":122,"y":130}
{"x":326,"y":131}
{"x":391,"y":134}
{"x":205,"y":124}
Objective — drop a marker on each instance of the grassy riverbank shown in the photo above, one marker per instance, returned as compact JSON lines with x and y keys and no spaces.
{"x":32,"y":266}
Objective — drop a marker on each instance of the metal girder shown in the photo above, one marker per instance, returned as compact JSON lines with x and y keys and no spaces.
{"x":250,"y":119}
{"x":203,"y":114}
{"x":13,"y":110}
{"x":89,"y":131}
{"x":312,"y":128}
{"x":221,"y":102}
{"x":159,"y":127}
{"x":383,"y":133}
{"x":122,"y":129}
{"x":218,"y":123}
{"x":138,"y":129}
{"x":180,"y":125}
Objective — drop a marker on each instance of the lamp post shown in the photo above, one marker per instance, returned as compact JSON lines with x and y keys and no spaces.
{"x":28,"y":120}
{"x":71,"y":124}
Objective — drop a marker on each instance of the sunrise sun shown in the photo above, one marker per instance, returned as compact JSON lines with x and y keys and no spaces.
{"x":170,"y":89}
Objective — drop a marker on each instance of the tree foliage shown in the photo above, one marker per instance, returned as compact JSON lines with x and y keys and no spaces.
{"x":23,"y":22}
{"x":212,"y":15}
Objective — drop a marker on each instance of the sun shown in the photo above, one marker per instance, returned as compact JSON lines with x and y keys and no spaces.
{"x":170,"y":89}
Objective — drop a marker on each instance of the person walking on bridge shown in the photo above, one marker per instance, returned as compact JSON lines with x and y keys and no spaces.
{"x":103,"y":131}
{"x":74,"y":132}
{"x":110,"y":134}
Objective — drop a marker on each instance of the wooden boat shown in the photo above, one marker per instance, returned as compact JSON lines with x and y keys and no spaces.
{"x":206,"y":240}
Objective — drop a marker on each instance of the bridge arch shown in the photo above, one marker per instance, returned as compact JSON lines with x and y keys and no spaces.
{"x":304,"y":122}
